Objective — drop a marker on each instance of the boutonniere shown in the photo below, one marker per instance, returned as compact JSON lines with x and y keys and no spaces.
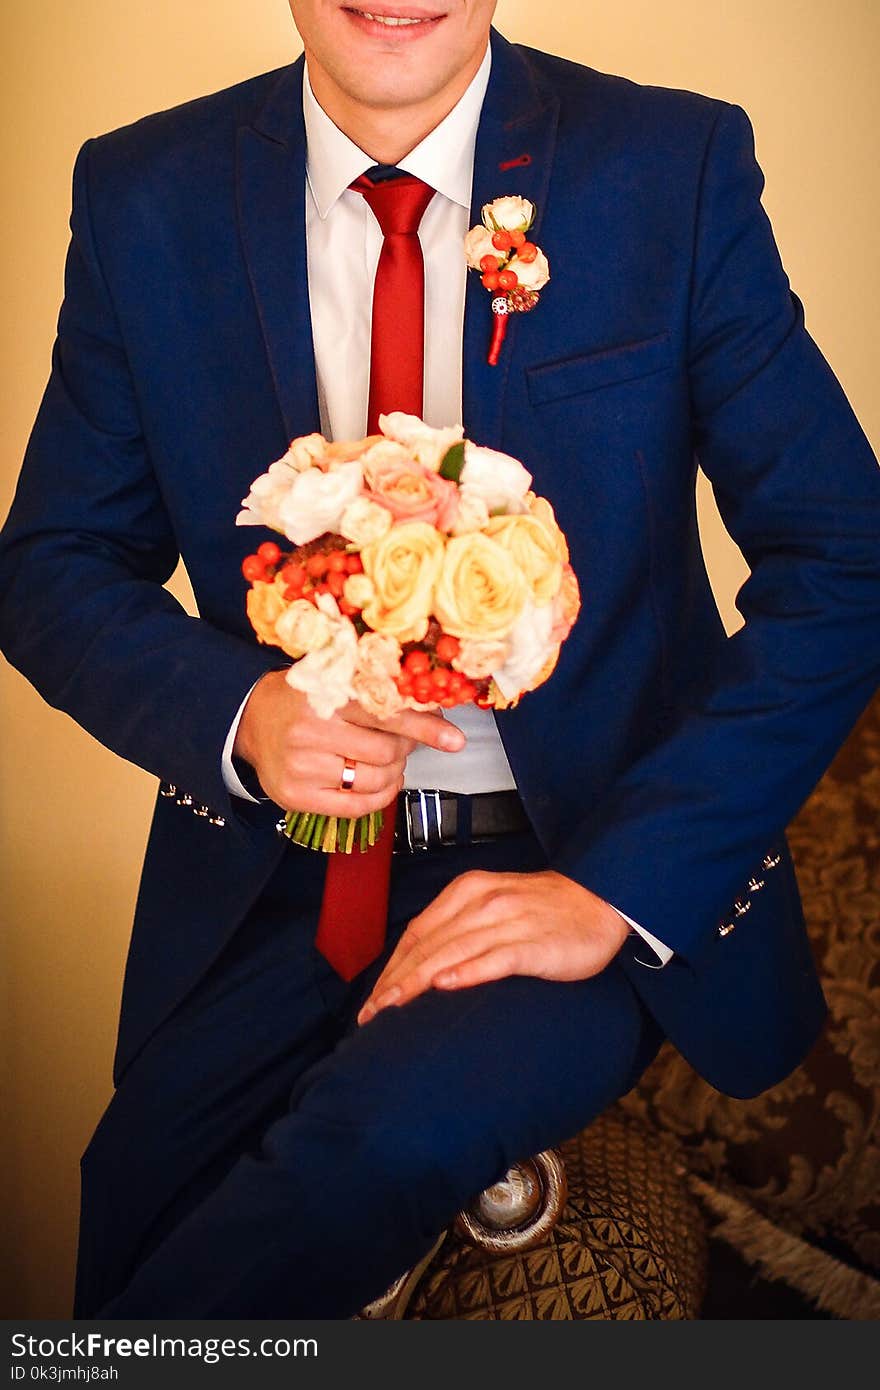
{"x":512,"y":268}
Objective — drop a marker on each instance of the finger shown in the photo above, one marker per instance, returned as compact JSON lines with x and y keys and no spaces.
{"x":457,"y":937}
{"x":449,"y":962}
{"x":326,"y":772}
{"x":501,"y":960}
{"x":338,"y":803}
{"x":422,"y":726}
{"x":465,"y":901}
{"x":360,"y":743}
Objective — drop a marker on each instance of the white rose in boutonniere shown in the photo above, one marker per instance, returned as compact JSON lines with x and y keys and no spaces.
{"x":510,"y":214}
{"x":532,"y":274}
{"x":512,"y":268}
{"x":477,"y":244}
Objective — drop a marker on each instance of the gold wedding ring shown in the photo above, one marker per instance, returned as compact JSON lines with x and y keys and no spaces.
{"x":349,"y":770}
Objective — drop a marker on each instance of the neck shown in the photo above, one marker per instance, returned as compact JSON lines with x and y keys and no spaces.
{"x":387,"y":134}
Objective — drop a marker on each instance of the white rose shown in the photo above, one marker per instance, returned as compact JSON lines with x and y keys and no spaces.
{"x":301,"y":628}
{"x":530,"y":648}
{"x":532,"y":275}
{"x":472,"y":512}
{"x":477,"y":244}
{"x":262,"y":506}
{"x":325,"y":675}
{"x":359,"y":590}
{"x":499,"y":480}
{"x":316,"y":501}
{"x":426,"y":445}
{"x":512,"y":214}
{"x":364,"y":521}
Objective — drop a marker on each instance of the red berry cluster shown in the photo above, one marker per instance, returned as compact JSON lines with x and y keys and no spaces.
{"x":305,"y":574}
{"x":496,"y":275}
{"x":429,"y":677}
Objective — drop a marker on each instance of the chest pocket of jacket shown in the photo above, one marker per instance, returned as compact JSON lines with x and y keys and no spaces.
{"x":573,"y":376}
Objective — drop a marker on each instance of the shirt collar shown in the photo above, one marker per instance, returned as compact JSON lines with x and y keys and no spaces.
{"x":444,"y":159}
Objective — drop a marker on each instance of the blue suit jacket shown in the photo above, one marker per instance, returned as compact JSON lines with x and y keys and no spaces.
{"x":662,"y":761}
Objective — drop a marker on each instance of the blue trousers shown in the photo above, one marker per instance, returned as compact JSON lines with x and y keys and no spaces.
{"x":263,"y":1156}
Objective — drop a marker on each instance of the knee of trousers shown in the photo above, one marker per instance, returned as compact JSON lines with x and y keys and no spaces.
{"x":413,"y":1166}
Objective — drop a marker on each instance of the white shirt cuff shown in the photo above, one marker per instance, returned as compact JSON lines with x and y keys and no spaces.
{"x":663,"y":953}
{"x":234,"y":784}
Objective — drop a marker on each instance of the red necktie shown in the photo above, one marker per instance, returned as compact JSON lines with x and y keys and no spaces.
{"x":354,"y":910}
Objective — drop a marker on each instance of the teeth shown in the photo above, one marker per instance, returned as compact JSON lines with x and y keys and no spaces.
{"x":388,"y":19}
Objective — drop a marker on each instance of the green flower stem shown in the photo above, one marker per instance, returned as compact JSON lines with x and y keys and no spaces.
{"x":332,"y":834}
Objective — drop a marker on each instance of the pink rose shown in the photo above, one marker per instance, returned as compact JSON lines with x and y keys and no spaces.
{"x":412,"y":493}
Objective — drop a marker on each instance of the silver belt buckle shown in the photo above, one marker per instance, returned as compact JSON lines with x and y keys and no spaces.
{"x":429,"y":831}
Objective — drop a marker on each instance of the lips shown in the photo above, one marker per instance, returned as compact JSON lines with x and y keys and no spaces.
{"x":398,"y":21}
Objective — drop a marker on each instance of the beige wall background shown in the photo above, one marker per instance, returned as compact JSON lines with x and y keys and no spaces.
{"x":74,"y":818}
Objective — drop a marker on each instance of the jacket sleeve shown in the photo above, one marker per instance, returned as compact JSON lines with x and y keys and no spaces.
{"x":87,"y":547}
{"x":798,"y":488}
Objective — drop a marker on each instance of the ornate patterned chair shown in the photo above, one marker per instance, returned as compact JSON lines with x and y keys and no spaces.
{"x":605,"y":1228}
{"x":789,"y":1179}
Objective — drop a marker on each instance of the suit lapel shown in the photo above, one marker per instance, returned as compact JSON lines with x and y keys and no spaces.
{"x":270,"y":192}
{"x":517,"y":130}
{"x":518,"y":120}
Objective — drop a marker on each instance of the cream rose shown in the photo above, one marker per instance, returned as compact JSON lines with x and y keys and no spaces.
{"x":477,"y":659}
{"x":533,"y":550}
{"x":358,"y":590}
{"x":364,"y":521}
{"x":501,"y":481}
{"x":541,"y":509}
{"x":301,"y":628}
{"x":472,"y":513}
{"x":317,"y":501}
{"x":477,"y":244}
{"x":265,"y":605}
{"x":426,"y":445}
{"x":566,"y":605}
{"x":404,"y":566}
{"x":480,"y":592}
{"x":348,"y":450}
{"x":531,"y":649}
{"x":532,"y":275}
{"x":374,"y":678}
{"x":325,"y":675}
{"x":385,"y":451}
{"x":305,"y":451}
{"x":511,"y":214}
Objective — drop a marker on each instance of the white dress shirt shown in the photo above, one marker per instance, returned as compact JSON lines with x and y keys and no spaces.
{"x":343,"y":243}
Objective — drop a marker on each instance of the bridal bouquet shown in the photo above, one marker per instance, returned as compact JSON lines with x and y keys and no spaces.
{"x":423,"y":573}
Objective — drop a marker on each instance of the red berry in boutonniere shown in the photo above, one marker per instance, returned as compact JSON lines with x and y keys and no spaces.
{"x":512,"y":268}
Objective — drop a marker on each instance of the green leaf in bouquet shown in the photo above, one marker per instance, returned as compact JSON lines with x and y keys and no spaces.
{"x":453,"y":462}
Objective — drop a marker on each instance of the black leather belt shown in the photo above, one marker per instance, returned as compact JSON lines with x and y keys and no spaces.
{"x":429,"y":819}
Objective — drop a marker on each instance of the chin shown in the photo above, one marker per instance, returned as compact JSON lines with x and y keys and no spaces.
{"x":391,"y":81}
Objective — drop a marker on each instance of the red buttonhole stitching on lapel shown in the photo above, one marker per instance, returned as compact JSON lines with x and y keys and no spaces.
{"x":517,"y":163}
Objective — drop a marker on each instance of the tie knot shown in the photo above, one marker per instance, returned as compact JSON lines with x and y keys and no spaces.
{"x":398,"y":204}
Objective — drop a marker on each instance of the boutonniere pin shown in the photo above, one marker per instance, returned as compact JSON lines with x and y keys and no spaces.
{"x":512,"y":268}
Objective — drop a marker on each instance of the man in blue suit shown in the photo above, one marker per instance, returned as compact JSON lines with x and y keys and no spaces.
{"x":283,"y":1142}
